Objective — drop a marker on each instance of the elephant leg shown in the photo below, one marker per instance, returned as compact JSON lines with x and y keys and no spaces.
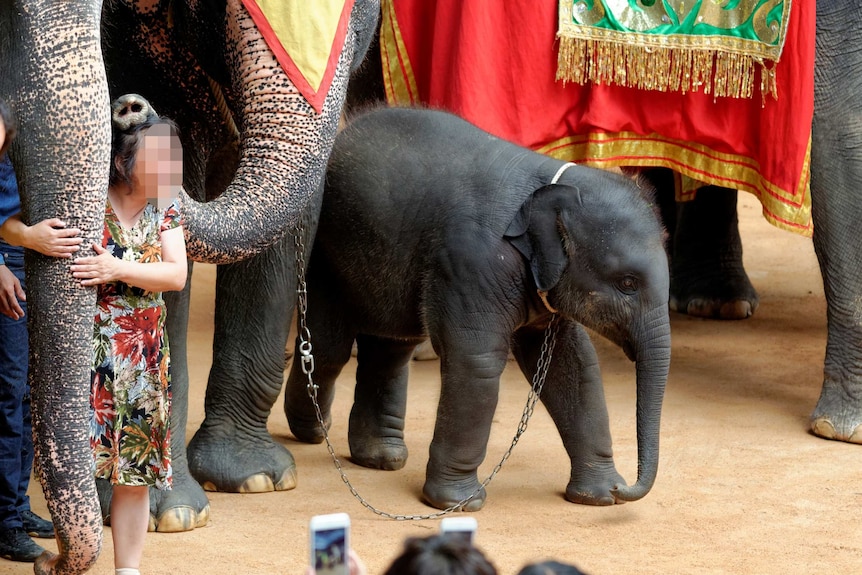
{"x":376,"y":435}
{"x":468,"y":399}
{"x":574,"y":397}
{"x":332,"y":340}
{"x":233,"y":451}
{"x":836,"y":206}
{"x":707,"y":275}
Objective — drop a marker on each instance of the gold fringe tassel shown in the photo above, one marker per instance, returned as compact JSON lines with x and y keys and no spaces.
{"x":724,"y":74}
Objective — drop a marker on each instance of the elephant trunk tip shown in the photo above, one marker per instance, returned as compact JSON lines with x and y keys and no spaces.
{"x":623,"y":493}
{"x":130,"y":110}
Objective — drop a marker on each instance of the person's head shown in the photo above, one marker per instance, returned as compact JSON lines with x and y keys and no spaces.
{"x":7,"y":127}
{"x":145,"y":149}
{"x":440,"y":555}
{"x":550,"y":568}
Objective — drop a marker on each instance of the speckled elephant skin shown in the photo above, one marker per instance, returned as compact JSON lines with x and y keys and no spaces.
{"x":477,"y":243}
{"x":254,"y":148}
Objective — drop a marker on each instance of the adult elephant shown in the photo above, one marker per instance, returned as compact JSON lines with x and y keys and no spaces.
{"x":251,"y":130}
{"x":707,"y":274}
{"x":708,"y":250}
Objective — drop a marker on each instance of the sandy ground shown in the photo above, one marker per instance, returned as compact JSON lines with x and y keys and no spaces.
{"x":742,"y":487}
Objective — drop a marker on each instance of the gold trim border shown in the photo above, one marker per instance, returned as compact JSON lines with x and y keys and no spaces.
{"x":699,"y":165}
{"x":398,"y":79}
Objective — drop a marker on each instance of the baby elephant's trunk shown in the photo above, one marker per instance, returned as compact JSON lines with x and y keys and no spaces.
{"x":653,"y":363}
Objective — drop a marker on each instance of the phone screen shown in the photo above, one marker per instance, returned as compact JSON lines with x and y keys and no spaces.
{"x":330,"y":551}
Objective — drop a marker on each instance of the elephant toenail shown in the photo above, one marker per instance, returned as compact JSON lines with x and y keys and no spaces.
{"x":823,"y":427}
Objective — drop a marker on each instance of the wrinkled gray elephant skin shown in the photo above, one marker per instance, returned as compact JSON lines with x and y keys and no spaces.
{"x":836,"y":207}
{"x":452,"y":235}
{"x":708,"y":277}
{"x":247,"y":132}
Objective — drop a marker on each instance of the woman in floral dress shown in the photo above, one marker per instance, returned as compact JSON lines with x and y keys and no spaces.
{"x":142,"y":254}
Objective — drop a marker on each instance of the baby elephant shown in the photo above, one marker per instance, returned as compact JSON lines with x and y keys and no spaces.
{"x":432,"y":228}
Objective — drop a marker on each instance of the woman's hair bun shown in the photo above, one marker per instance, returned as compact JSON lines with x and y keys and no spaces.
{"x":130,"y":110}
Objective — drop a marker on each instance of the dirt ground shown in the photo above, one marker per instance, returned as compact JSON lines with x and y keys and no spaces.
{"x":742,"y":486}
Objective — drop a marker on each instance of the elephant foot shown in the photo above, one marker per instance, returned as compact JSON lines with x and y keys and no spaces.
{"x":443,"y":495}
{"x":707,"y":276}
{"x":387,"y":453}
{"x":307,"y":430}
{"x":832,"y":419}
{"x":725,"y":294}
{"x":173,"y":514}
{"x":594,"y":490}
{"x":231,"y":464}
{"x":183,"y":508}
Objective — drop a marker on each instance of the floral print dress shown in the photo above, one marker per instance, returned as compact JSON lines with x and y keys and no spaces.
{"x":130,"y":391}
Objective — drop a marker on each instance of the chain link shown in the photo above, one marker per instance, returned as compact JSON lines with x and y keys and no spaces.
{"x":307,"y":360}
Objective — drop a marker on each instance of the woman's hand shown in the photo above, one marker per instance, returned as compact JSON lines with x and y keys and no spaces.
{"x":99,"y":269}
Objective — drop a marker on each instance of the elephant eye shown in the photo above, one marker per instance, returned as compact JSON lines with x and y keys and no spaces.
{"x":628,"y":284}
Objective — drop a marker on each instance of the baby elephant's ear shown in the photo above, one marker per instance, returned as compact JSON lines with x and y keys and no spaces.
{"x":517,"y":230}
{"x":540,"y":240}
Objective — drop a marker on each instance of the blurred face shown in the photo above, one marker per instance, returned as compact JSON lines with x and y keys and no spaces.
{"x":159,"y":166}
{"x":2,"y":134}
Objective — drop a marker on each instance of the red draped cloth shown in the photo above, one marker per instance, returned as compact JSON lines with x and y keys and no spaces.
{"x":494,"y":63}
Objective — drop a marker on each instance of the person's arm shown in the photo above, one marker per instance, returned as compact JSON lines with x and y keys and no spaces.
{"x":10,"y":293}
{"x":49,"y":237}
{"x":166,"y":275}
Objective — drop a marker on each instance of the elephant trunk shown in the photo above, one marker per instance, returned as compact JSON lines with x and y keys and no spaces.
{"x":61,"y":158}
{"x":284,"y":148}
{"x":653,"y":364}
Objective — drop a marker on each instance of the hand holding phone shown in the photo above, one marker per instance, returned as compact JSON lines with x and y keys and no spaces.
{"x":330,"y":544}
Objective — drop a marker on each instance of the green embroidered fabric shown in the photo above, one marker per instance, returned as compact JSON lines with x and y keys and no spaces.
{"x":677,"y":44}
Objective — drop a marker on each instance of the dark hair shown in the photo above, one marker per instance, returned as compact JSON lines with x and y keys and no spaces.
{"x":550,"y":568}
{"x":131,"y":117}
{"x":440,"y":555}
{"x":125,"y":145}
{"x":8,"y":123}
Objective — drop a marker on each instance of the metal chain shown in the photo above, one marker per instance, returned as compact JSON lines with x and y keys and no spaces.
{"x":307,"y":360}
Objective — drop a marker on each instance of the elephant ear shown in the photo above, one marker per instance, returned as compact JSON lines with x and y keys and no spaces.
{"x":536,"y":233}
{"x":516,"y":233}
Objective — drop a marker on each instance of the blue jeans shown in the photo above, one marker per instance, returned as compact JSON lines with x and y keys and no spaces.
{"x":16,"y":431}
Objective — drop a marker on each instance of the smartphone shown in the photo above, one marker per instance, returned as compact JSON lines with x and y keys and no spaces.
{"x":462,"y":526}
{"x":330,"y":542}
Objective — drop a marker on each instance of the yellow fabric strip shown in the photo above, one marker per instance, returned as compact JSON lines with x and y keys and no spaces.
{"x":398,"y":79}
{"x":306,"y":30}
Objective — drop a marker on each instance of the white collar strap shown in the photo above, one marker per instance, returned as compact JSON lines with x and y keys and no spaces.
{"x":559,"y":173}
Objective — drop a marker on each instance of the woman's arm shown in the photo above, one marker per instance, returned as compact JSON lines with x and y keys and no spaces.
{"x":166,"y":275}
{"x":48,"y":237}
